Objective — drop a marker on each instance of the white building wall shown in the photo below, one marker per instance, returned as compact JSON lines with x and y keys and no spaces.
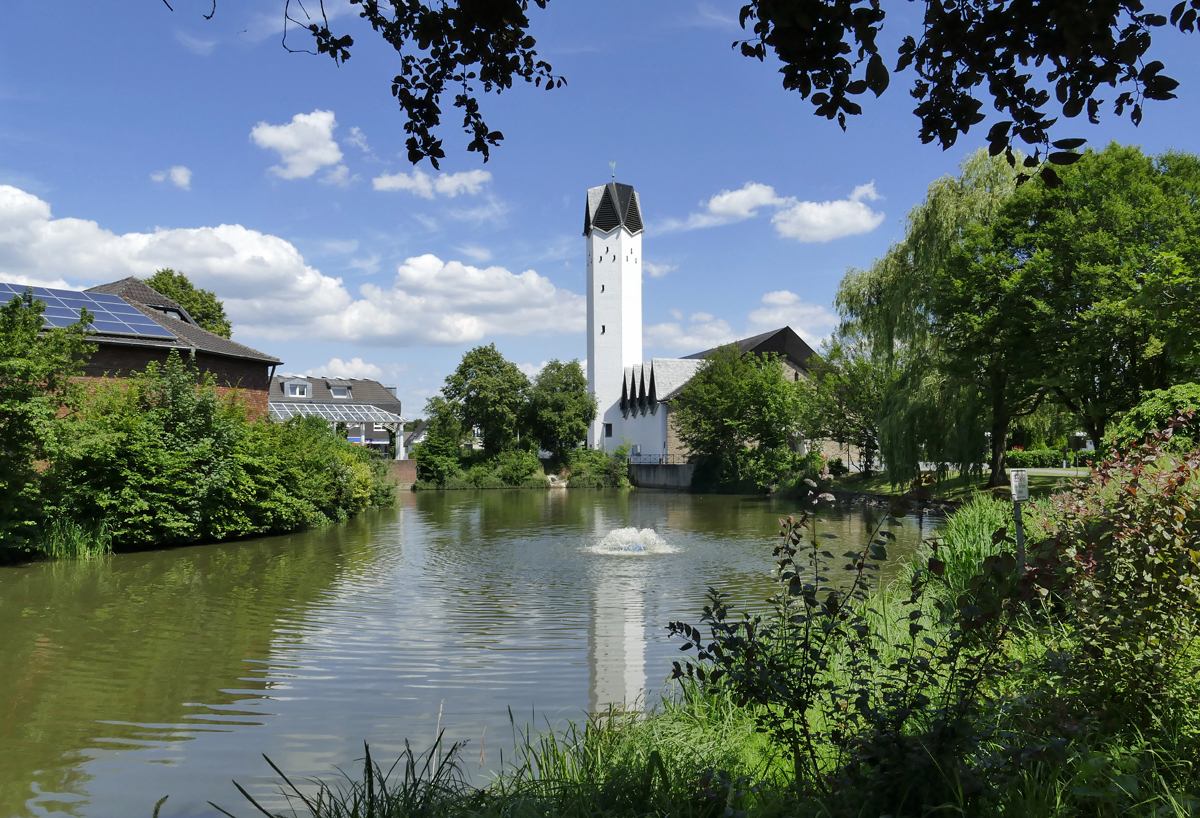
{"x":614,"y":325}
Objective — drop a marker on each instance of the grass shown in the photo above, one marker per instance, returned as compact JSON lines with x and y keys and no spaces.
{"x":70,"y":539}
{"x":956,"y":487}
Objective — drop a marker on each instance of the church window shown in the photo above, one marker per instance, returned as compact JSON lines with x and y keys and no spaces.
{"x":601,"y":329}
{"x":601,"y":288}
{"x":608,"y":430}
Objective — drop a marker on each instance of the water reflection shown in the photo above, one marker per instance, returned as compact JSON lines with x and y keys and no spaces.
{"x":126,"y":679}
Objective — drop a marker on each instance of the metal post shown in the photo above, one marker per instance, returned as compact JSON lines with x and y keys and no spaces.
{"x":1020,"y":493}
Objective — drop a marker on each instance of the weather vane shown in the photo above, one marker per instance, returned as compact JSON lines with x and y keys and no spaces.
{"x":613,"y":165}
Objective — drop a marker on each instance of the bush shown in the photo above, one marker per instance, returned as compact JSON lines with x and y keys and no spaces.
{"x":595,"y":469}
{"x":1033,"y":458}
{"x":837,"y":468}
{"x":1154,"y":412}
{"x":163,"y":459}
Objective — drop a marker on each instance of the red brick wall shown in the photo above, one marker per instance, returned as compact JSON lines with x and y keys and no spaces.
{"x":249,"y":378}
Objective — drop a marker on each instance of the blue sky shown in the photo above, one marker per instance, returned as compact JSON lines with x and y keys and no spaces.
{"x":133,"y":137}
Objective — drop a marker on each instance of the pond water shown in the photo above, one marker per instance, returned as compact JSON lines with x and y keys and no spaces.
{"x":131,"y":677}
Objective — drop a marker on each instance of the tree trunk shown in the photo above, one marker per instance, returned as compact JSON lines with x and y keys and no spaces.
{"x":1000,"y":420}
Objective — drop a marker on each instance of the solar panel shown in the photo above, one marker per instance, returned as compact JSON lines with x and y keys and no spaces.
{"x":112,"y":315}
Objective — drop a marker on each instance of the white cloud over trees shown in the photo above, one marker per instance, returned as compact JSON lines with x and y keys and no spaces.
{"x":271,"y":292}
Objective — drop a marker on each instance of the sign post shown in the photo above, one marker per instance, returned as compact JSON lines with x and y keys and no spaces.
{"x":1019,"y":480}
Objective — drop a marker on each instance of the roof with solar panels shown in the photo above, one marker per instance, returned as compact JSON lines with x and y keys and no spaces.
{"x":129,"y":313}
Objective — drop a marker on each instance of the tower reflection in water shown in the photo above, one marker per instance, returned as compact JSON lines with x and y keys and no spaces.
{"x":617,"y":635}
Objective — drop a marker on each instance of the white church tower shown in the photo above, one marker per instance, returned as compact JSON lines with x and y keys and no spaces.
{"x":613,"y":227}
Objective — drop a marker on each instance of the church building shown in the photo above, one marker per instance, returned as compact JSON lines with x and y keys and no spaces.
{"x":634,"y":395}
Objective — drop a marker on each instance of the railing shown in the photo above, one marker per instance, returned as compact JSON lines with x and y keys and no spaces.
{"x":659,"y":459}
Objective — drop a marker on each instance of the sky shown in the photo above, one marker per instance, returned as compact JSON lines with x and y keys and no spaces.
{"x":135,"y":137}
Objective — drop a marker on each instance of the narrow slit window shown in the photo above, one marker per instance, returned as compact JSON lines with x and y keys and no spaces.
{"x":601,"y":288}
{"x":601,"y":329}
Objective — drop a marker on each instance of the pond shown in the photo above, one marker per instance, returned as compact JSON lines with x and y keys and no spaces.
{"x":135,"y":676}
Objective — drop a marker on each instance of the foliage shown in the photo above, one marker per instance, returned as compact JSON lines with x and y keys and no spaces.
{"x":1093,"y":280}
{"x":843,"y":398}
{"x":927,"y":415}
{"x":741,"y":414}
{"x":1126,"y":555}
{"x":829,"y":53}
{"x":164,"y":459}
{"x":1035,"y":458}
{"x":439,"y":455}
{"x":882,"y":704}
{"x":489,"y":393}
{"x":560,"y":408}
{"x":1154,"y":411}
{"x":202,"y":305}
{"x":36,"y":368}
{"x":596,"y":469}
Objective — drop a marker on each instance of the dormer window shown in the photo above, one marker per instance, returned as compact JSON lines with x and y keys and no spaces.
{"x":340,"y":391}
{"x":297,"y":390}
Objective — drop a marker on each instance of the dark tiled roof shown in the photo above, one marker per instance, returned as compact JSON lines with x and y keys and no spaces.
{"x":134,"y":289}
{"x":365,"y":391}
{"x":610,"y":206}
{"x":145,"y":300}
{"x":783,"y":341}
{"x":192,"y":336}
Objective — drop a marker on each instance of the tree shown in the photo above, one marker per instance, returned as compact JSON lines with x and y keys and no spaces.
{"x":489,"y":393}
{"x":202,"y":305}
{"x":742,"y":415}
{"x":931,"y":411}
{"x":843,"y":397}
{"x":439,"y":455}
{"x":36,"y":367}
{"x":829,"y":56}
{"x":1103,"y":273}
{"x":560,"y":408}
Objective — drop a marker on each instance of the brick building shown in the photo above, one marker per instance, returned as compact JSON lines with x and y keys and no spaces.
{"x":134,"y":325}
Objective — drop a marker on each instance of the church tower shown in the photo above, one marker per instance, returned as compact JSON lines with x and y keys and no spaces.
{"x":613,"y":226}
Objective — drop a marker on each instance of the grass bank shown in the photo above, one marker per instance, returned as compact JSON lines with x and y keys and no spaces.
{"x":964,"y":688}
{"x":955,"y":486}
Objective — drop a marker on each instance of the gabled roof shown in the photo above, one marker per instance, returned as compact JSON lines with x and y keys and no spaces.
{"x":362,"y":391}
{"x":134,"y":289}
{"x":671,"y":374}
{"x":611,"y":206}
{"x":783,"y":341}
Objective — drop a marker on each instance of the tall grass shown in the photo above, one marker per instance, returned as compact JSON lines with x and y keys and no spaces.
{"x":70,"y":539}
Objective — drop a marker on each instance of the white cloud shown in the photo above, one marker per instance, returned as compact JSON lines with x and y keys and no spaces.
{"x":479,"y":255}
{"x":659,"y":270}
{"x":179,"y":175}
{"x":812,"y":322}
{"x":270,"y":291}
{"x":532,"y":370}
{"x":696,"y":336}
{"x":305,"y":145}
{"x":470,"y":182}
{"x":339,"y":177}
{"x":353,"y":368}
{"x":708,"y":16}
{"x":825,"y":221}
{"x":782,"y":308}
{"x":359,"y":140}
{"x":368,"y":265}
{"x":794,"y":219}
{"x":195,"y":45}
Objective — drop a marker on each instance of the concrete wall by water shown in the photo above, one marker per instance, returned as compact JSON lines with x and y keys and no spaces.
{"x":658,"y":476}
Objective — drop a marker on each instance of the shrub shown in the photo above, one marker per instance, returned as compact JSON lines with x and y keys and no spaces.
{"x":163,"y":459}
{"x":837,"y":468}
{"x":595,"y":469}
{"x":1155,"y":410}
{"x":515,"y":468}
{"x":1033,"y":458}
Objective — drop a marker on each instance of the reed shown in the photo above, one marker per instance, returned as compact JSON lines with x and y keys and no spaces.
{"x":71,"y":539}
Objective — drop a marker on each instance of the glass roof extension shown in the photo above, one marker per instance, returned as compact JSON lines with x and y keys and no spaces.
{"x":335,"y":412}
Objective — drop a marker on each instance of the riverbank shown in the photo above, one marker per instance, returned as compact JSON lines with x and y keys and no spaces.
{"x":962,"y":687}
{"x":955,"y":489}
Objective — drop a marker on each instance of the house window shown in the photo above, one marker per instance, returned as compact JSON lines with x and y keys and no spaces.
{"x":297,"y":390}
{"x":608,"y":430}
{"x":340,"y":391}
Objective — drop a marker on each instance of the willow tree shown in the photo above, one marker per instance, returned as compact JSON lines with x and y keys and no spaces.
{"x":932,"y":411}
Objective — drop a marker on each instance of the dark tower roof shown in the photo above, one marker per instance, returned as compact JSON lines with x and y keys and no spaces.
{"x":611,"y":206}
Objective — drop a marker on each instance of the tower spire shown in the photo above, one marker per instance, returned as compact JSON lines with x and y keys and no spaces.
{"x":613,"y":165}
